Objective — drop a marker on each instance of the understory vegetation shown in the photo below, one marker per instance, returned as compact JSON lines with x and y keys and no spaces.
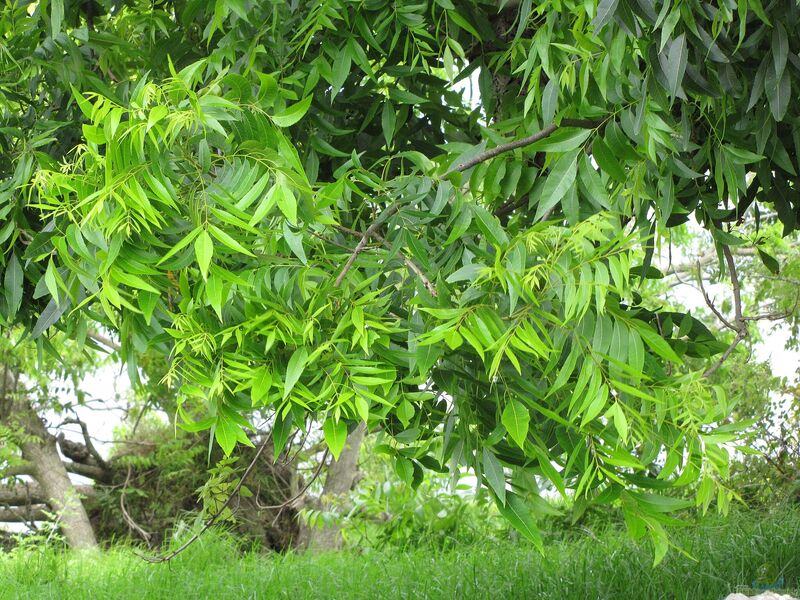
{"x":719,"y":556}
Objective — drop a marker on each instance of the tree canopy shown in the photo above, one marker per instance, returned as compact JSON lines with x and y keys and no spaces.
{"x":432,"y":217}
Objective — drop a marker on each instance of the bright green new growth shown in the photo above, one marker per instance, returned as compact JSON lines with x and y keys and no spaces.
{"x":298,"y":206}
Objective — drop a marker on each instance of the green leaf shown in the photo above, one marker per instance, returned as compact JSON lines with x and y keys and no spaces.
{"x":204,"y":250}
{"x":287,"y":203}
{"x":564,"y":139}
{"x":676,"y":64}
{"x":292,"y":114}
{"x":335,"y":433}
{"x":215,"y":291}
{"x":56,"y":16}
{"x":493,"y":471}
{"x":559,"y":180}
{"x":340,"y":71}
{"x":658,"y":344}
{"x":780,"y":49}
{"x":605,"y":12}
{"x":769,"y":261}
{"x":50,"y":276}
{"x":51,"y":313}
{"x":228,"y":430}
{"x":517,"y":512}
{"x":388,"y":121}
{"x":606,"y":160}
{"x":490,"y":226}
{"x":228,"y":241}
{"x":516,"y":419}
{"x":262,"y":382}
{"x":281,"y":429}
{"x":295,"y":242}
{"x":147,"y":303}
{"x":297,"y":363}
{"x":13,"y":280}
{"x":778,"y":91}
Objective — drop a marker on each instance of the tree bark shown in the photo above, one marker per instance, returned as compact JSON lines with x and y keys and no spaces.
{"x":339,"y":480}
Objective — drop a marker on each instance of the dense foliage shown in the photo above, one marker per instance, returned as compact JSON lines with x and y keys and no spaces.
{"x":303,"y":208}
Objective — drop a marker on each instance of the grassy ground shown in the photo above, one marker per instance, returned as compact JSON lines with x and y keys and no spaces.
{"x":728,"y":555}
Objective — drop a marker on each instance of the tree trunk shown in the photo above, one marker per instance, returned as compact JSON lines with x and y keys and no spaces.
{"x":339,"y":480}
{"x":52,"y":477}
{"x":40,"y":452}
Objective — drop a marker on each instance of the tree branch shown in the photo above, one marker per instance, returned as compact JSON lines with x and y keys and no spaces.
{"x":88,"y":471}
{"x":105,"y":341}
{"x":87,"y":440}
{"x":521,"y":143}
{"x":410,"y":264}
{"x":371,"y":231}
{"x":739,"y":324}
{"x":22,"y":494}
{"x":468,"y":164}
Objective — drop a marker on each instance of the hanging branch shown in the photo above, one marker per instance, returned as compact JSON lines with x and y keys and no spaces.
{"x":213,"y":518}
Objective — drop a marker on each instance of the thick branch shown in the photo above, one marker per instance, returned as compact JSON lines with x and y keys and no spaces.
{"x":21,"y":494}
{"x":25,"y":514}
{"x":105,"y":341}
{"x":706,"y":260}
{"x":89,"y":471}
{"x":87,"y":440}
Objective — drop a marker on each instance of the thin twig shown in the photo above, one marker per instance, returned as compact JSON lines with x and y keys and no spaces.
{"x":710,"y":303}
{"x":128,"y":519}
{"x":300,"y":494}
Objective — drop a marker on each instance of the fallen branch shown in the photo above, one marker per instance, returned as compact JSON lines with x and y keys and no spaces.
{"x":88,"y":471}
{"x":26,"y":514}
{"x":22,"y":494}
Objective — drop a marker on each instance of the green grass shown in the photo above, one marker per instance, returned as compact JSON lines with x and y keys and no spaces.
{"x":728,"y":555}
